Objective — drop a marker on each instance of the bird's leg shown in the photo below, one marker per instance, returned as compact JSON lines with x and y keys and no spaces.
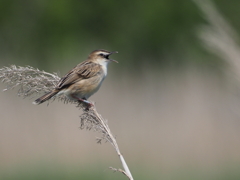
{"x":89,"y":105}
{"x":87,"y":102}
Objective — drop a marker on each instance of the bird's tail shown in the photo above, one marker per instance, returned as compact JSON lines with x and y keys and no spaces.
{"x":45,"y":97}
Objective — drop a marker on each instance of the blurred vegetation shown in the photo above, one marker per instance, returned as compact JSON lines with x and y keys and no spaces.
{"x":156,"y":33}
{"x":47,"y":173}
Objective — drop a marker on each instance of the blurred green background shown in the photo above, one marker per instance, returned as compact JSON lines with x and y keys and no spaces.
{"x":172,"y":101}
{"x":48,"y":34}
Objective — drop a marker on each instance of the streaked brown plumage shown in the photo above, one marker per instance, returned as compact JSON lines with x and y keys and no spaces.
{"x":83,"y":80}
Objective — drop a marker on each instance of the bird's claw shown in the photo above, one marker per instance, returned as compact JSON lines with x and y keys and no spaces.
{"x":88,"y":105}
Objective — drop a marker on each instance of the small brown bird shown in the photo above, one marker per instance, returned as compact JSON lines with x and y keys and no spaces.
{"x":83,"y":80}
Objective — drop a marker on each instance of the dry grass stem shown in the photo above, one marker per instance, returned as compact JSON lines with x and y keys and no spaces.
{"x":93,"y":120}
{"x":30,"y":81}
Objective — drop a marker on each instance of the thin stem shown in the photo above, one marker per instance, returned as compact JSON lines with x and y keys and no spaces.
{"x":113,"y":141}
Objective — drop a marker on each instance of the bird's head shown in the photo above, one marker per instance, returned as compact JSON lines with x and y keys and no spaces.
{"x":101,"y":56}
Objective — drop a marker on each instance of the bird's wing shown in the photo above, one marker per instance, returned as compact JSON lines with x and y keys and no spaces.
{"x":83,"y":70}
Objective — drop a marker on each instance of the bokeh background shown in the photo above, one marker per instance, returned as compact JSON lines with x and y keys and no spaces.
{"x":173,"y":100}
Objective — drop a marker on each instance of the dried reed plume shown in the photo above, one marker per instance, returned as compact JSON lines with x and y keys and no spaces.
{"x":30,"y":81}
{"x":219,"y":37}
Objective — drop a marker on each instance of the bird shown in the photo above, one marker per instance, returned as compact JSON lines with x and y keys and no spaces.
{"x":83,"y":80}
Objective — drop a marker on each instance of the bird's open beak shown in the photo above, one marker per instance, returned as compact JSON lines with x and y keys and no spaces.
{"x":113,"y":59}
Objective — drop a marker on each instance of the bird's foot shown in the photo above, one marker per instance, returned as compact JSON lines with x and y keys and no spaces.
{"x":86,"y":103}
{"x":89,"y":106}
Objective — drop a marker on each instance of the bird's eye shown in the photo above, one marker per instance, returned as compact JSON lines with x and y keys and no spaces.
{"x":104,"y":55}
